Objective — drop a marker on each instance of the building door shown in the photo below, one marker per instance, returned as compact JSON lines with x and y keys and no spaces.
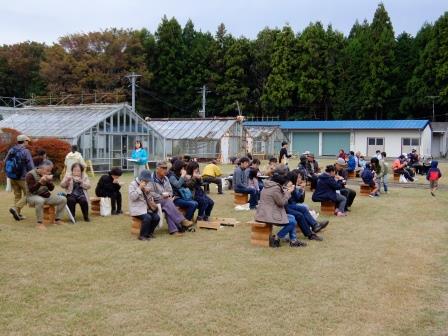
{"x":407,"y":144}
{"x":305,"y":141}
{"x":374,"y":144}
{"x":333,"y":141}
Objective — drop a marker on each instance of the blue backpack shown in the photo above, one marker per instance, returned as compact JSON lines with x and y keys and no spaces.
{"x":15,"y":164}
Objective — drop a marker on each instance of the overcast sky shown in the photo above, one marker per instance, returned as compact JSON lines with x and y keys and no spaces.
{"x":46,"y":20}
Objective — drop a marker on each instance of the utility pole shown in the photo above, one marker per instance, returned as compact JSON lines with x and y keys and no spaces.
{"x":204,"y":92}
{"x":433,"y":109}
{"x":133,"y":78}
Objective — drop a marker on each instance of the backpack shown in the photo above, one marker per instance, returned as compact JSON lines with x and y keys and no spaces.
{"x":185,"y":194}
{"x":15,"y":164}
{"x":433,"y":175}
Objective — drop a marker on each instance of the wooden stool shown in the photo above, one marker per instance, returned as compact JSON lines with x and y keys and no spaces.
{"x":95,"y":206}
{"x":260,"y":233}
{"x":396,"y":177}
{"x":136,"y":225}
{"x":351,"y":175}
{"x":183,"y":211}
{"x":365,"y":189}
{"x":49,"y":214}
{"x":241,"y":198}
{"x":327,"y":207}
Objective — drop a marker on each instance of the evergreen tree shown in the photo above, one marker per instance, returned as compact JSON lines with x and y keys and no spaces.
{"x":280,"y":93}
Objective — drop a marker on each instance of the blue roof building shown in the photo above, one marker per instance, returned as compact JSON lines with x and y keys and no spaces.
{"x":326,"y":138}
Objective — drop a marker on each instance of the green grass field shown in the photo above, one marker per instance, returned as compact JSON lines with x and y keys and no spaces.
{"x":383,"y":270}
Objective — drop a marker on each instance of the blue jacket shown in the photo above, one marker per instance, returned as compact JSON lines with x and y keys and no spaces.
{"x":367,"y":176}
{"x":351,"y":163}
{"x":326,"y":188}
{"x":239,"y":179}
{"x":140,"y":155}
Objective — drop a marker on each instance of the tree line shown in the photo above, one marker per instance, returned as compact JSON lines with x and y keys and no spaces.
{"x":315,"y":74}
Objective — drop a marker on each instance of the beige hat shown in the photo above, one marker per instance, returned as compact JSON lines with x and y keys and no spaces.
{"x":341,"y":162}
{"x":22,"y":137}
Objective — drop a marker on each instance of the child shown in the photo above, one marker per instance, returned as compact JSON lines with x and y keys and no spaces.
{"x":368,"y":177}
{"x":433,"y":176}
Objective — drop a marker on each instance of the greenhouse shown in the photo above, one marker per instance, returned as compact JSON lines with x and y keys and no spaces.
{"x":105,"y":134}
{"x":264,"y":141}
{"x":221,"y":138}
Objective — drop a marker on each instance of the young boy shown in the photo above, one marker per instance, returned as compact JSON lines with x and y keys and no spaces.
{"x":433,"y":176}
{"x":368,"y":177}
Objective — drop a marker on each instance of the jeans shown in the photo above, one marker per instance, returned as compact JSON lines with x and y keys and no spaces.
{"x":149,"y":223}
{"x":172,"y":215}
{"x":349,"y":195}
{"x":384,"y":179}
{"x":205,"y":206}
{"x":303,"y":218}
{"x":253,"y":200}
{"x":83,"y":203}
{"x":341,"y":201}
{"x":191,"y":207}
{"x":289,"y":228}
{"x":406,"y":174}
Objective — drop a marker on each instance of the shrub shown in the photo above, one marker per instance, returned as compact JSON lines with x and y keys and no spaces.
{"x":56,"y":150}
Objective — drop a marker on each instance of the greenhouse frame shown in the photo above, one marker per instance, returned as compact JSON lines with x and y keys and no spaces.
{"x":204,"y":139}
{"x":104,"y":133}
{"x":264,"y":141}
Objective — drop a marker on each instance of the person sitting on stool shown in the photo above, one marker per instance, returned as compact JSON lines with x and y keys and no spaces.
{"x":109,"y":186}
{"x":142,"y":205}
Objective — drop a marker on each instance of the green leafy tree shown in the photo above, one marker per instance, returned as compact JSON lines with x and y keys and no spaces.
{"x":280,"y":92}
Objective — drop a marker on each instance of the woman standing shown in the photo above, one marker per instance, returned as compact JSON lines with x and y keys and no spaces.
{"x":76,"y":184}
{"x":141,"y":156}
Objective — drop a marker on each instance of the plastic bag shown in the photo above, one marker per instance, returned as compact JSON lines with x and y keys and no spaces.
{"x":105,"y":206}
{"x":403,"y":179}
{"x":161,"y":216}
{"x":8,"y":184}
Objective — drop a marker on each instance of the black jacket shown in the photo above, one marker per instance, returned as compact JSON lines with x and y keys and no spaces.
{"x":106,"y":187}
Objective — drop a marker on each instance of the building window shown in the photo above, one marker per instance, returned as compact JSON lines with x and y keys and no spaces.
{"x":375,"y":141}
{"x":411,"y":142}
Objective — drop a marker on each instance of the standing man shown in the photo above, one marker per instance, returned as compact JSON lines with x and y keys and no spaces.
{"x":18,"y":162}
{"x":212,"y":174}
{"x":284,"y":156}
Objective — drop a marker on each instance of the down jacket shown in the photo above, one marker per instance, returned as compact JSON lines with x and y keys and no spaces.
{"x":271,"y":208}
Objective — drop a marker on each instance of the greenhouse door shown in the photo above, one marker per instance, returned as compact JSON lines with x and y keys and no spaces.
{"x":332,"y":142}
{"x":305,"y":141}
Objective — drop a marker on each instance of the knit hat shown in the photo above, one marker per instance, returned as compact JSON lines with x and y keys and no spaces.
{"x":145,"y":175}
{"x":22,"y":137}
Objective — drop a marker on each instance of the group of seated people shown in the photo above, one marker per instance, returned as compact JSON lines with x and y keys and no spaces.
{"x":409,"y":165}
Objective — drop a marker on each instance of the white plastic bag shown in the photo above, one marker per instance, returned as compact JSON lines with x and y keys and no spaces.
{"x":403,"y":179}
{"x":161,"y":215}
{"x":8,"y":185}
{"x":105,"y":206}
{"x":242,"y":207}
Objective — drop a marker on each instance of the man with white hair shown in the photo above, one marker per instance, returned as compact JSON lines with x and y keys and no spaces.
{"x":39,"y":182}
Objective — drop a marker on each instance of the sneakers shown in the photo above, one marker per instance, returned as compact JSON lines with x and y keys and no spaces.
{"x":186,"y":223}
{"x":372,"y":195}
{"x":176,"y":234}
{"x":320,"y":225}
{"x":143,"y":238}
{"x":274,"y":241}
{"x":40,"y":226}
{"x":296,"y":243}
{"x":315,"y":237}
{"x":14,"y":213}
{"x":432,"y":194}
{"x":22,"y":217}
{"x":341,"y":214}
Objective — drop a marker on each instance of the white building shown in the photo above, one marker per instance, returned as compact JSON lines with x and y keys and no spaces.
{"x":325,"y":138}
{"x":439,"y":147}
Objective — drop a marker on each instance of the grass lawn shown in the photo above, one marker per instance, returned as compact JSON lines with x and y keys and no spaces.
{"x":383,"y":270}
